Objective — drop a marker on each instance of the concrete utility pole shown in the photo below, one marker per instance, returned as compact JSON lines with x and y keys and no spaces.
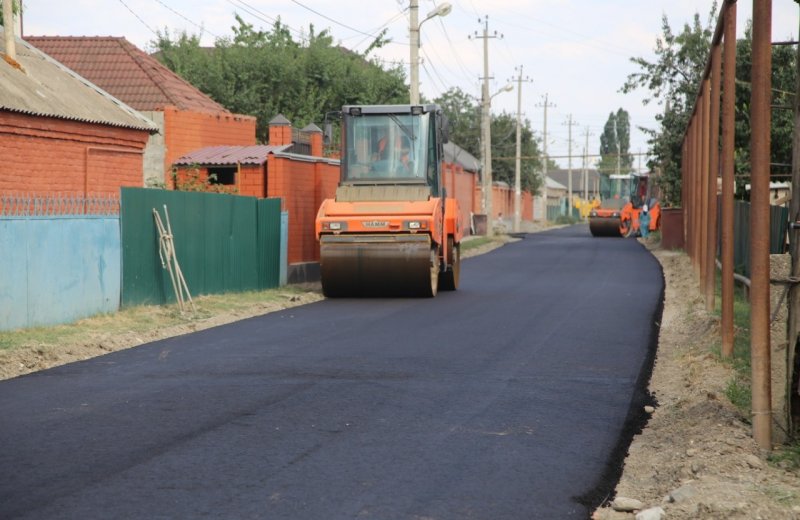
{"x":586,"y":135}
{"x":517,"y":159}
{"x":8,"y":27}
{"x":486,"y":131}
{"x":546,"y":104}
{"x":570,"y":123}
{"x":616,"y":138}
{"x":442,"y":10}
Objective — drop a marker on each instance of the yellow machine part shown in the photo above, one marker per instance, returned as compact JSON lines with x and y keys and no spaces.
{"x":400,"y":264}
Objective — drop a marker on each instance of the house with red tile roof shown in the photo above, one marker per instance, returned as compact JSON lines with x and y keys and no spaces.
{"x":187,"y":118}
{"x":61,"y":134}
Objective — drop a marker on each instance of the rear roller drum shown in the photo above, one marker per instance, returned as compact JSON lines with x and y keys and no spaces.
{"x":448,"y":280}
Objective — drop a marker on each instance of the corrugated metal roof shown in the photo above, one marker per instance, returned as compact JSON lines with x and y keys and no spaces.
{"x":455,"y":154}
{"x":230,"y":155}
{"x":562,"y":177}
{"x":120,"y":68}
{"x":44,"y":87}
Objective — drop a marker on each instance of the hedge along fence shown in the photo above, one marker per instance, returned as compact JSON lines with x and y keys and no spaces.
{"x":224,"y":243}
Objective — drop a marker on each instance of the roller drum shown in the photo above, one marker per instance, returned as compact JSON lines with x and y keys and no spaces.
{"x":378,"y":265}
{"x":605,"y":226}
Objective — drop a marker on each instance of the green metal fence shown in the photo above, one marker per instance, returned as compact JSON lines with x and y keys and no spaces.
{"x":224,"y":243}
{"x":779,"y":225}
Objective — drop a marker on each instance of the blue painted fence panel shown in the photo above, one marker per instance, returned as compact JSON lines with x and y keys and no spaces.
{"x":284,"y":263}
{"x":58,"y":269}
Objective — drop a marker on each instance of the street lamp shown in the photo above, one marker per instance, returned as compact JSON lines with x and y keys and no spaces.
{"x":486,"y":132}
{"x":442,"y":9}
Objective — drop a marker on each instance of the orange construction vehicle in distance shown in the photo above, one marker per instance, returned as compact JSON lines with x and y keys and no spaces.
{"x":626,"y":201}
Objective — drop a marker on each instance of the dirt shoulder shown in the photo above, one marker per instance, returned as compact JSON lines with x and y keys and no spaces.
{"x":696,"y":457}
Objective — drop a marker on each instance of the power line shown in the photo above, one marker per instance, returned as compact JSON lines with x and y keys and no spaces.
{"x":139,"y":18}
{"x":378,"y":30}
{"x":255,"y":13}
{"x":332,"y":20}
{"x":188,"y":20}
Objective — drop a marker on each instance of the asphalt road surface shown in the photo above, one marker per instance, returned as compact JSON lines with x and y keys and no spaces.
{"x":513,"y":397}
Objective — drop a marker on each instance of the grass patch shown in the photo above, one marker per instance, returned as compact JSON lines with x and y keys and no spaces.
{"x":475,"y":243}
{"x":738,"y":389}
{"x":569,"y":220}
{"x":781,"y":495}
{"x":786,"y":456}
{"x":738,"y":392}
{"x":141,"y":318}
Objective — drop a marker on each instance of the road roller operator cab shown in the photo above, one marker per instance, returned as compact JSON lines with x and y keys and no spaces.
{"x":390,"y":230}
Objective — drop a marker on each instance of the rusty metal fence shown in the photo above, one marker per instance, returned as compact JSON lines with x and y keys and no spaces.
{"x":708,"y":153}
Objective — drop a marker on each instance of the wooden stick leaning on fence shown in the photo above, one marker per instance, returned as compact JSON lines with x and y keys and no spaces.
{"x":169,"y":261}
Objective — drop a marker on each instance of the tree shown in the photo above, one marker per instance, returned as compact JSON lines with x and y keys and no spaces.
{"x":14,"y":9}
{"x":264,"y":73}
{"x":464,"y":113}
{"x":616,"y":140}
{"x":784,"y":83}
{"x":608,"y":146}
{"x":504,"y":149}
{"x":673,"y":80}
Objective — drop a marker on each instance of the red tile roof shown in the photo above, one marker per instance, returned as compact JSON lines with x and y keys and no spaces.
{"x":127,"y":73}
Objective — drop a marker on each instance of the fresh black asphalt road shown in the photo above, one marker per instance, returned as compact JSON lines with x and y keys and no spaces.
{"x":513,"y":397}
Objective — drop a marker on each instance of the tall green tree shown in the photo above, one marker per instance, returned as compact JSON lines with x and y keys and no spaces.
{"x":616,"y":140}
{"x":265,"y":72}
{"x":464,"y":113}
{"x":504,"y":149}
{"x":672,"y":80}
{"x":784,"y":84}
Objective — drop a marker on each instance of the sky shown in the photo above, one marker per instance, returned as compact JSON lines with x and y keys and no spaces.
{"x":574,"y":53}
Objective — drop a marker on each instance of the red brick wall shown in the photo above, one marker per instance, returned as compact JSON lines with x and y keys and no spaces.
{"x":44,"y":154}
{"x":185,"y":132}
{"x":527,"y":206}
{"x":250,"y":180}
{"x":461,"y":186}
{"x":503,"y":201}
{"x":280,"y":134}
{"x":302,"y":185}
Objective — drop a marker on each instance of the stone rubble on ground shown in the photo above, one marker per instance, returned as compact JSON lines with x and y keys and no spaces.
{"x":653,"y":513}
{"x":626,"y":504}
{"x":682,"y":494}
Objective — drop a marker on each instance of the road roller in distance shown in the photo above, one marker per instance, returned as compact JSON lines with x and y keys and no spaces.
{"x":624,"y":199}
{"x":390,"y":230}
